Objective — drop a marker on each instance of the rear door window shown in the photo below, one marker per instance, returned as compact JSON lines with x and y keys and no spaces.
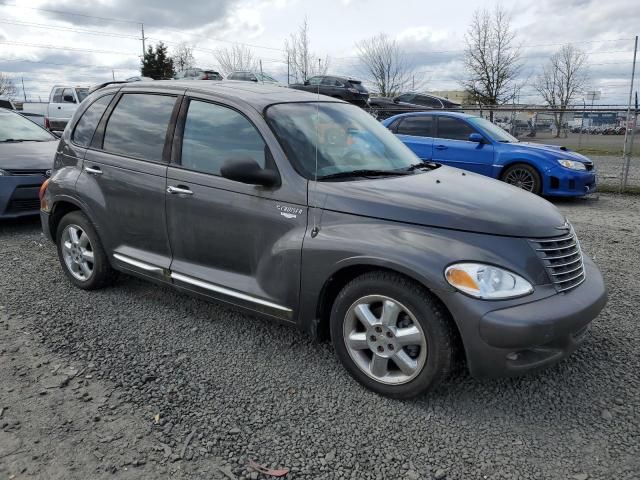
{"x":138,"y":126}
{"x":214,"y":134}
{"x":453,"y":129}
{"x":419,"y":126}
{"x":87,"y":124}
{"x":427,"y":101}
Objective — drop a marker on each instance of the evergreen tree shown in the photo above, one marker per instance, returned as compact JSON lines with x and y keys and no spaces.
{"x":157,"y":64}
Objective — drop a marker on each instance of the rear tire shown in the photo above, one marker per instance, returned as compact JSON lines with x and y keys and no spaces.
{"x":523,"y":176}
{"x":81,"y":254}
{"x":404,"y":346}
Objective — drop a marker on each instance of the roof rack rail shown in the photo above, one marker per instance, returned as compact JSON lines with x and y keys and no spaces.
{"x":93,"y":88}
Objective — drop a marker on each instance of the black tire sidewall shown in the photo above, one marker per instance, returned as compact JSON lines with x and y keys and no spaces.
{"x":537,"y":179}
{"x":102,"y":271}
{"x":417,"y":300}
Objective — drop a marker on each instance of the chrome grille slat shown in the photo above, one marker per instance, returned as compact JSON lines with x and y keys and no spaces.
{"x":562,"y":259}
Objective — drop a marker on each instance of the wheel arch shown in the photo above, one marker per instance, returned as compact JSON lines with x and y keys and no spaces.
{"x":346,"y":273}
{"x":60,"y":208}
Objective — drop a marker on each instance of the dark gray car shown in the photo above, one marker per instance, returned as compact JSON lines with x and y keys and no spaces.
{"x":26,"y":159}
{"x":312,"y":213}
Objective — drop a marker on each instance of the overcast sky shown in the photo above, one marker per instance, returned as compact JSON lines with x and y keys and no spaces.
{"x":41,"y":42}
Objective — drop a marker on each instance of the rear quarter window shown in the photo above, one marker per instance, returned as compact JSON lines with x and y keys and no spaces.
{"x":86,"y":126}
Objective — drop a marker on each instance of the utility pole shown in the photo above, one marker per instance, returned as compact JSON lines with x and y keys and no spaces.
{"x":24,"y":93}
{"x":143,"y":39}
{"x":261,"y":73}
{"x":626,"y":157}
{"x":288,"y":72}
{"x":113,"y":75}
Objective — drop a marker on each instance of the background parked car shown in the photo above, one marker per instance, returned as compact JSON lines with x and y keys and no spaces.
{"x":26,"y":159}
{"x":475,"y":144}
{"x":63,"y":102}
{"x":197,"y":74}
{"x":344,"y":88}
{"x":407,"y":102}
{"x":246,"y":76}
{"x":7,"y":103}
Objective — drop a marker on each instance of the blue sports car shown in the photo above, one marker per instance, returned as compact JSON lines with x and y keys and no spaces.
{"x":475,"y":144}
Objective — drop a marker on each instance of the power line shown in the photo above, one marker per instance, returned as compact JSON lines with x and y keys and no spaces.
{"x":69,"y":29}
{"x":74,"y":65}
{"x":60,"y":12}
{"x":72,"y":49}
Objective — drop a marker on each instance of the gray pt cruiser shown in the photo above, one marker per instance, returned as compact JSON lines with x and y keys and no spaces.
{"x":307,"y":210}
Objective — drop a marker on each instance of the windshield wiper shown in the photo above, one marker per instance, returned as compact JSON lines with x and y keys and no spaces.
{"x":11,"y":140}
{"x":416,"y":166}
{"x":363,"y":173}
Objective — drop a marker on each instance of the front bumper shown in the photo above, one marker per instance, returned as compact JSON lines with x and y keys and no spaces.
{"x":528,"y":336}
{"x":563,"y":182}
{"x":19,"y":195}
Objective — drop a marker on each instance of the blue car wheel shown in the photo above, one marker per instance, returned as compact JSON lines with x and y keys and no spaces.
{"x":523,"y":176}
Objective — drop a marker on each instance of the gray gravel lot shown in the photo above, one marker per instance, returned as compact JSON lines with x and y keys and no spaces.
{"x":250,"y":389}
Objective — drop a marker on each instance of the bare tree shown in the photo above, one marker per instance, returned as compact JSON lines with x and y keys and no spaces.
{"x":183,"y":57}
{"x":303,"y":63}
{"x":7,"y":87}
{"x":561,"y":79}
{"x":236,"y":57}
{"x":492,"y":58}
{"x":385,"y":65}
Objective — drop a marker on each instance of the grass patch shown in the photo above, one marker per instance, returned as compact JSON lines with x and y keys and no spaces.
{"x":610,"y":188}
{"x":597,"y":150}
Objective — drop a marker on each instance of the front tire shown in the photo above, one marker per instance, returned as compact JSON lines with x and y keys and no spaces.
{"x":392,"y":335}
{"x":81,"y":254}
{"x":523,"y":176}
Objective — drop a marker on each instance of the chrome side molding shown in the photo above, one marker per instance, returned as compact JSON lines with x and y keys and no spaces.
{"x":147,"y":267}
{"x":226,"y":291}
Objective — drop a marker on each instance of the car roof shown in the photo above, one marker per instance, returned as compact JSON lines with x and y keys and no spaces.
{"x":439,"y":113}
{"x":257,"y":95}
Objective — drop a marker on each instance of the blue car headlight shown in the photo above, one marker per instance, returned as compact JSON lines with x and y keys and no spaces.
{"x":571,"y":164}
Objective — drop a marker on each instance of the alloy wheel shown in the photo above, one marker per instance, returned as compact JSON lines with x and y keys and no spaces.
{"x":384,"y":339}
{"x":521,"y":178}
{"x":77,"y":252}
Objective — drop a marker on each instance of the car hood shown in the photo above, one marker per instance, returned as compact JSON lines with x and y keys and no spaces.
{"x":556,"y":150}
{"x":27,"y":155}
{"x":444,"y":198}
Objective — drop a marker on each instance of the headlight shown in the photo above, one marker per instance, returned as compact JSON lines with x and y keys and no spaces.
{"x":486,"y":281}
{"x":572,"y":164}
{"x":3,"y":172}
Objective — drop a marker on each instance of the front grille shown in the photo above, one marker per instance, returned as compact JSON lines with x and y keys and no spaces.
{"x":562,"y":259}
{"x":27,"y":172}
{"x":23,"y":205}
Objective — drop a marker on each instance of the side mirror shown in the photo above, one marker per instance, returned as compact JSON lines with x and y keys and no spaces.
{"x":306,"y":82}
{"x":476,"y":137}
{"x":247,"y":170}
{"x":68,"y":99}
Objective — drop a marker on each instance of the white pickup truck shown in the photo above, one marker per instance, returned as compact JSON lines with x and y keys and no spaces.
{"x":63,"y":101}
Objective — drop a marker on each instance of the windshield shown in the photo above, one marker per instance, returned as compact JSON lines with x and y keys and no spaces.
{"x":263,"y":77}
{"x":14,"y":127}
{"x":82,"y":93}
{"x":347,"y":139}
{"x":495,"y":132}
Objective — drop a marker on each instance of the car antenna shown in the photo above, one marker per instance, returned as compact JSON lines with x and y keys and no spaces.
{"x":315,"y":229}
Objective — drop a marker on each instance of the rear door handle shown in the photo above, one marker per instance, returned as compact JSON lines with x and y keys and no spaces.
{"x":93,"y":170}
{"x":441,"y":147}
{"x":179,"y":190}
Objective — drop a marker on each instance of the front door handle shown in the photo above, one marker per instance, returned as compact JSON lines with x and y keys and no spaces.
{"x":441,"y":147}
{"x":93,"y":170}
{"x":179,"y":190}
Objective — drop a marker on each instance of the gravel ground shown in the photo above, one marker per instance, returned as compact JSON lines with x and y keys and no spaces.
{"x":202,"y":389}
